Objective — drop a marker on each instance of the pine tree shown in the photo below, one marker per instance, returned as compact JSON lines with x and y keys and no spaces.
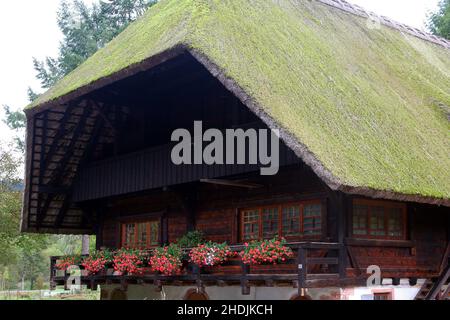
{"x":85,"y":29}
{"x":439,"y":22}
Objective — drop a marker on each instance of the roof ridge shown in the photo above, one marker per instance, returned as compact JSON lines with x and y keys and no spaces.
{"x":362,"y":12}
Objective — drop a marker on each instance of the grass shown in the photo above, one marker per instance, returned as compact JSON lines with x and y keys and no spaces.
{"x":45,"y":295}
{"x":370,"y":104}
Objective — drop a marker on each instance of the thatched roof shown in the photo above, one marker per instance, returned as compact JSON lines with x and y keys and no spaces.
{"x":366,"y":106}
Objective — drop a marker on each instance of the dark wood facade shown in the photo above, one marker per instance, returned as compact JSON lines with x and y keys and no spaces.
{"x":217,"y":213}
{"x":104,"y":161}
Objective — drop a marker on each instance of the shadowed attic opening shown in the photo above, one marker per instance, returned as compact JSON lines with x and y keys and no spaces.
{"x":80,"y":150}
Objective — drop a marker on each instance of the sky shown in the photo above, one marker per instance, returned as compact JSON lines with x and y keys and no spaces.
{"x":28,"y":29}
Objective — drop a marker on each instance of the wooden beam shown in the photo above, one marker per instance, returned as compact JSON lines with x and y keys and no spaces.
{"x":412,"y":281}
{"x":332,"y":261}
{"x":106,"y":119}
{"x":52,"y":190}
{"x":379,"y":243}
{"x":245,"y":284}
{"x":67,"y":200}
{"x":59,"y":172}
{"x":231,"y":183}
{"x":42,"y":161}
{"x":302,"y":269}
{"x":61,"y":133}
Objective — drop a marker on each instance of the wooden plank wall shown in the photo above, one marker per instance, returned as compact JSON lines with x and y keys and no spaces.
{"x":216,"y":206}
{"x":151,"y":169}
{"x":420,"y":255}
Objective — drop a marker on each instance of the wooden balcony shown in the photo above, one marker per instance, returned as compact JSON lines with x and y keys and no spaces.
{"x":315,"y":265}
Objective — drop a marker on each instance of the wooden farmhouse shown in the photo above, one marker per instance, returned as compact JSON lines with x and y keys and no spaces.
{"x":362,"y":107}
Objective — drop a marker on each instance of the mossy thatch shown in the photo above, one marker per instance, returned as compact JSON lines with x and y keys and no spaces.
{"x":367,"y":107}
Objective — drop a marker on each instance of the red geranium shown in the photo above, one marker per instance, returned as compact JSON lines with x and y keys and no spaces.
{"x":97,"y":262}
{"x":210,"y":254}
{"x":167,"y":260}
{"x":67,"y":261}
{"x":129,"y":261}
{"x":266,"y":252}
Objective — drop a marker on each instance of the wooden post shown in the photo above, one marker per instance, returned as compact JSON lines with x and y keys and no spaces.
{"x":66,"y":278}
{"x":85,"y":243}
{"x":244,"y":280}
{"x":342,"y":261}
{"x":199,"y":283}
{"x":302,"y":266}
{"x":124,"y":284}
{"x":188,"y":199}
{"x":52,"y":273}
{"x":342,"y":227}
{"x":93,"y":285}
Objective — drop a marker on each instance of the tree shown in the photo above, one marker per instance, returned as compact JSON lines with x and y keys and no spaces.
{"x":19,"y":253}
{"x":439,"y":22}
{"x":85,"y":30}
{"x":16,"y":121}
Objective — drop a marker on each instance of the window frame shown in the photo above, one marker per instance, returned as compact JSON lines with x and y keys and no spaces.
{"x":280,"y":207}
{"x":148,"y":221}
{"x":387,"y":207}
{"x":388,"y":294}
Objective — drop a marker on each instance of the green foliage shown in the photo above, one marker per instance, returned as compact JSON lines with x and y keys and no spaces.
{"x":16,"y":121}
{"x":191,"y":239}
{"x":439,"y":22}
{"x":86,"y":29}
{"x":20,"y":254}
{"x":107,"y":254}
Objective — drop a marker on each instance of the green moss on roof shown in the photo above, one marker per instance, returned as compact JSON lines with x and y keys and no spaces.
{"x":370,"y":104}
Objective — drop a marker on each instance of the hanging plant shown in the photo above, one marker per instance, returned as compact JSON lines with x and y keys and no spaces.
{"x":210,"y":254}
{"x":67,"y":261}
{"x":98,"y":261}
{"x":167,"y":260}
{"x":129,"y":261}
{"x":266,"y":252}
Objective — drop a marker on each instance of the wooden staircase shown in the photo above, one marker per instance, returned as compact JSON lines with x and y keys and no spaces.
{"x":436,"y":289}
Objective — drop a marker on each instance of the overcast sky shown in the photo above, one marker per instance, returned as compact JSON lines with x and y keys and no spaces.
{"x":28,"y":29}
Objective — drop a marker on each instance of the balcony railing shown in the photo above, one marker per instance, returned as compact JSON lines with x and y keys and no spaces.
{"x":315,"y":264}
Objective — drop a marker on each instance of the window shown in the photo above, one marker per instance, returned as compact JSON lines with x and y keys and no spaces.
{"x":382,"y":296}
{"x":312,"y":219}
{"x":379,"y":219}
{"x":141,"y":235}
{"x":270,"y":222}
{"x":290,"y":221}
{"x":251,"y":224}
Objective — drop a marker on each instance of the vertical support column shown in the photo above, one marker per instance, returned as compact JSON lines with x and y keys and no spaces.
{"x":189,"y":203}
{"x":341,"y":206}
{"x":342,"y":261}
{"x":52,"y":273}
{"x":66,"y":280}
{"x":244,"y":280}
{"x":164,"y":234}
{"x":302,"y":265}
